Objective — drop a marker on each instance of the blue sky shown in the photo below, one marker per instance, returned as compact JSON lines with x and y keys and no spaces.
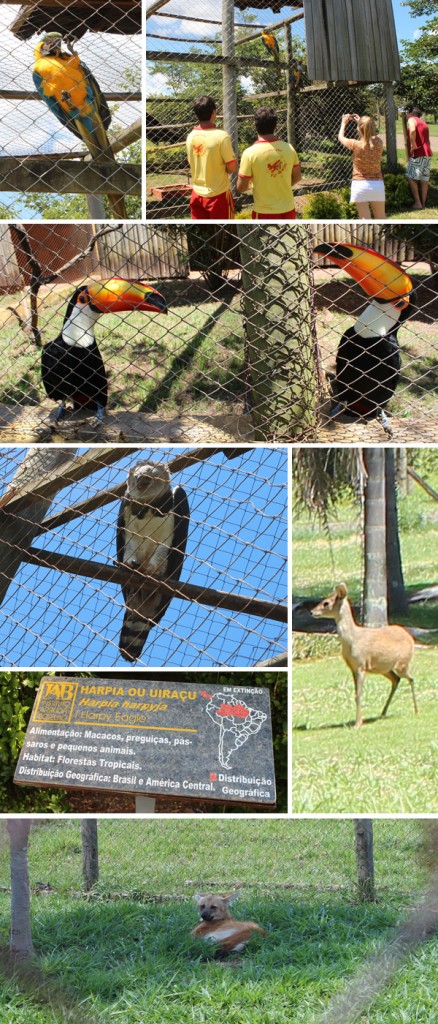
{"x":237,"y":542}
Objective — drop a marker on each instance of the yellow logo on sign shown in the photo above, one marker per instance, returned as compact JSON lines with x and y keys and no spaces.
{"x":61,"y":691}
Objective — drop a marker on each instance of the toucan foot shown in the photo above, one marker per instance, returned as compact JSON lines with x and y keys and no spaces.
{"x":61,"y":412}
{"x":336,"y":410}
{"x":383,"y":419}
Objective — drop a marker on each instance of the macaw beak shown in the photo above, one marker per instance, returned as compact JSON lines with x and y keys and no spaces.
{"x":119,"y":296}
{"x":379,"y":277}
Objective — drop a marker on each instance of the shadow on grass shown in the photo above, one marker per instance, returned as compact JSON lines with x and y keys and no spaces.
{"x":180,"y":364}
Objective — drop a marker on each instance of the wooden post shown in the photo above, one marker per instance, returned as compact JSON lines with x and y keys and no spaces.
{"x":90,"y":852}
{"x":363,"y":835}
{"x":391,"y":131}
{"x":145,"y":805}
{"x":281,"y":355}
{"x":96,"y":208}
{"x":229,"y":78}
{"x":21,"y":934}
{"x":290,"y":90}
{"x":375,"y":606}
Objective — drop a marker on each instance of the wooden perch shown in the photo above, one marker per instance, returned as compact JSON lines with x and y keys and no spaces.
{"x":47,"y":485}
{"x":37,"y":174}
{"x":92,"y":461}
{"x":127,"y":137}
{"x":17,"y":532}
{"x":129,"y":577}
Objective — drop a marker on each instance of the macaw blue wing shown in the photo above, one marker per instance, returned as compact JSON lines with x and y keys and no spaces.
{"x":95,"y":95}
{"x":54,"y":106}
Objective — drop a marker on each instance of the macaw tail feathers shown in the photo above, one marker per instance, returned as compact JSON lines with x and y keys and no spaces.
{"x":95,"y":138}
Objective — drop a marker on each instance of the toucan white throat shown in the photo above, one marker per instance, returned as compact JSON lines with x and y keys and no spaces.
{"x":377,"y":320}
{"x":78,"y":330}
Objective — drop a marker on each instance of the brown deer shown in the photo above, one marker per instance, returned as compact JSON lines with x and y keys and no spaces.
{"x":385,"y":650}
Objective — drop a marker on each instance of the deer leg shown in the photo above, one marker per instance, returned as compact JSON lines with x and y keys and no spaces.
{"x":394,"y":680}
{"x":359,"y":676}
{"x":411,"y":681}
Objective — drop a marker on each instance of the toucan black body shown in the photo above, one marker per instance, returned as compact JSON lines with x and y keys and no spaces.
{"x":71,"y":365}
{"x":367,"y":373}
{"x":368,"y":361}
{"x":75,"y":372}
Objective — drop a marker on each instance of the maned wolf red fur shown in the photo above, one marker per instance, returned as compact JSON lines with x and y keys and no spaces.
{"x":219,"y":927}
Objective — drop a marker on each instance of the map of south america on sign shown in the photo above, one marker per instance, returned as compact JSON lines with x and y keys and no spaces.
{"x":147,"y":737}
{"x":236,"y":722}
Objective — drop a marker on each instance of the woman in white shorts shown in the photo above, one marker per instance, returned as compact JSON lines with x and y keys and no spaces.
{"x":367,"y":186}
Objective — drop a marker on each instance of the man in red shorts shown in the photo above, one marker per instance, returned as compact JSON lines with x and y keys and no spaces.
{"x":211,"y":160}
{"x":272,"y":167}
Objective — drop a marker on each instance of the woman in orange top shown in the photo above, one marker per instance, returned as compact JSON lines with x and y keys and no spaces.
{"x":367,"y":186}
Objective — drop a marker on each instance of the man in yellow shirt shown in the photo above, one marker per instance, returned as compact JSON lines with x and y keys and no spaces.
{"x":272,"y":167}
{"x":211,"y":160}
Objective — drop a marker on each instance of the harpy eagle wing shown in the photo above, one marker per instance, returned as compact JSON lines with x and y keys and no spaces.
{"x":152,"y":537}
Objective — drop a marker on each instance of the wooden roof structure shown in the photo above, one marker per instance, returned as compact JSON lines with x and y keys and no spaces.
{"x":268,"y":5}
{"x":351,"y":40}
{"x":75,"y":17}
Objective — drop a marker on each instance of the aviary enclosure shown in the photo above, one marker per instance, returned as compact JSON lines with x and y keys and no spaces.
{"x":62,"y":568}
{"x":60,"y":157}
{"x":328,"y":64}
{"x":246,"y":350}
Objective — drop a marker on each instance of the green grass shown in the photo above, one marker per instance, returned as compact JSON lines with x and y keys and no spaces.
{"x":156,"y":364}
{"x":125,"y":954}
{"x":388,"y":766}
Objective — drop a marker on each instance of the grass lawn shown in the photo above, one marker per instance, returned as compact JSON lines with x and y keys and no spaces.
{"x":388,"y":766}
{"x":125,"y":956}
{"x":190,"y":359}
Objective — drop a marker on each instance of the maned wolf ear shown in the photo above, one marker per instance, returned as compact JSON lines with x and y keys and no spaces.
{"x":341,"y":590}
{"x":232,"y":896}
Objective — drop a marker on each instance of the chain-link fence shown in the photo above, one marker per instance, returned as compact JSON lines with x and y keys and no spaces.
{"x":208,"y":528}
{"x":253,"y":346}
{"x":70,"y":110}
{"x":189,"y":55}
{"x":318,"y":858}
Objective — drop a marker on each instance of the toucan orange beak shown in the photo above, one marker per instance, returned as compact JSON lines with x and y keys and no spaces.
{"x":119,"y":296}
{"x":379,"y":277}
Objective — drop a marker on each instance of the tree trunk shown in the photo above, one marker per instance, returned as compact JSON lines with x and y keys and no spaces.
{"x":375,"y":606}
{"x":18,"y":531}
{"x":363,"y":840}
{"x":90,"y":852}
{"x":21,"y":935}
{"x":282,"y":358}
{"x":396,"y":595}
{"x":404,"y":482}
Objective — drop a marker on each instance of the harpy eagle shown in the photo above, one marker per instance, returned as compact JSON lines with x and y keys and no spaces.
{"x":152,"y":534}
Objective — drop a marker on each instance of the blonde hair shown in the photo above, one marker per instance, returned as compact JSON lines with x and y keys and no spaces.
{"x":366,"y":130}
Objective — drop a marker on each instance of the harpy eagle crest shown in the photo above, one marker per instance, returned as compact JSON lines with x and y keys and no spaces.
{"x":152,"y":534}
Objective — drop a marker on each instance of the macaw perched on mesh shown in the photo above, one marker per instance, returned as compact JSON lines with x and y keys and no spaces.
{"x":72,"y":94}
{"x":269,"y":40}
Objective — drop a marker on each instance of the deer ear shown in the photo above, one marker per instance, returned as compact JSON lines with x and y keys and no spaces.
{"x":341,"y":590}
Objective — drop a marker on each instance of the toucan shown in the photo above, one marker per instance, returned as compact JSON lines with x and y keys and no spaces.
{"x":71,"y":365}
{"x":368,"y":359}
{"x":72,"y":94}
{"x":269,"y":40}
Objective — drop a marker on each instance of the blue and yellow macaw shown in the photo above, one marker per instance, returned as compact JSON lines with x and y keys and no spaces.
{"x":72,"y":94}
{"x":269,"y":40}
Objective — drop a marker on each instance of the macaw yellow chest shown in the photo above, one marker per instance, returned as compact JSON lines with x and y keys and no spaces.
{"x":63,"y":80}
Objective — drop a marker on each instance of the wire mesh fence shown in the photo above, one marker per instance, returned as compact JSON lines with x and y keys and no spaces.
{"x":70,"y":110}
{"x":256,"y":343}
{"x":189,"y":54}
{"x":214,"y":549}
{"x":319,"y":858}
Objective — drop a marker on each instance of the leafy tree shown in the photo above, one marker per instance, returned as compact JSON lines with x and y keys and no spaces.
{"x":419,"y":81}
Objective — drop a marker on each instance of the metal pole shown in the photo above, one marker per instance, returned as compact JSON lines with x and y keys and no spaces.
{"x":229,"y":77}
{"x":290,"y":89}
{"x":390,"y":121}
